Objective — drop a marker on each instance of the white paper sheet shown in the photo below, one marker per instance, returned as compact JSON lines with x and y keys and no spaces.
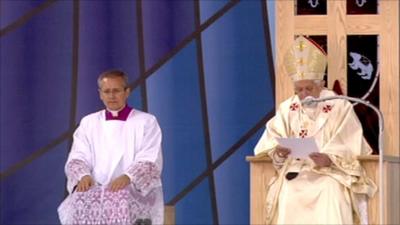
{"x":300,"y":147}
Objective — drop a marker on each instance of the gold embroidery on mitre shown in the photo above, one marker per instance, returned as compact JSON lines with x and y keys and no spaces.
{"x":305,"y":60}
{"x":301,"y":45}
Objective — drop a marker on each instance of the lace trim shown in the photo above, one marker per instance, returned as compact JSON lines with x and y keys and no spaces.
{"x":145,"y":176}
{"x":101,"y":206}
{"x":75,"y":170}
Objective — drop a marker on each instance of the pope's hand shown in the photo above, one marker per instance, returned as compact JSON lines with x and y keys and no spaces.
{"x":85,"y":183}
{"x":119,"y":183}
{"x":321,"y":159}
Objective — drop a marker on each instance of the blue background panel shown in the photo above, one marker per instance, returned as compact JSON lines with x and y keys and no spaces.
{"x":135,"y":99}
{"x":209,"y":8}
{"x":106,"y":41}
{"x":195,"y":208}
{"x":165,"y":25}
{"x":237,"y":82}
{"x":233,"y":185}
{"x":32,"y":195}
{"x":12,"y":10}
{"x":174,"y":98}
{"x":35,"y":83}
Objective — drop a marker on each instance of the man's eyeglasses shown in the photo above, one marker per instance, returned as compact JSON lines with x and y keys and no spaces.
{"x":114,"y":91}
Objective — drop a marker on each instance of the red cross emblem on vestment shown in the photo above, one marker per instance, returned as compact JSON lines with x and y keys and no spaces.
{"x":303,"y":133}
{"x":327,"y":108}
{"x":294,"y":106}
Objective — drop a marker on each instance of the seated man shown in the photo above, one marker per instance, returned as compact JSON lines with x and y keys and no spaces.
{"x":325,"y":187}
{"x":115,"y":163}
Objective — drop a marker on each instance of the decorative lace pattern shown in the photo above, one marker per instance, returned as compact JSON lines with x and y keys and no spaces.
{"x":145,"y":176}
{"x":101,"y":206}
{"x":76,"y":169}
{"x":142,"y":200}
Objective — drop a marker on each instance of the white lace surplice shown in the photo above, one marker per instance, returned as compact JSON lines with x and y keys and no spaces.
{"x":106,"y":150}
{"x":99,"y":205}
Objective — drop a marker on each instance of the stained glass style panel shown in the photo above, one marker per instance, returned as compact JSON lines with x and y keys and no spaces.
{"x":363,"y":81}
{"x":310,"y":7}
{"x":362,"y":6}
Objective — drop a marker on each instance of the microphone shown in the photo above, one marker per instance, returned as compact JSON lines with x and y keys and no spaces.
{"x":311,"y":100}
